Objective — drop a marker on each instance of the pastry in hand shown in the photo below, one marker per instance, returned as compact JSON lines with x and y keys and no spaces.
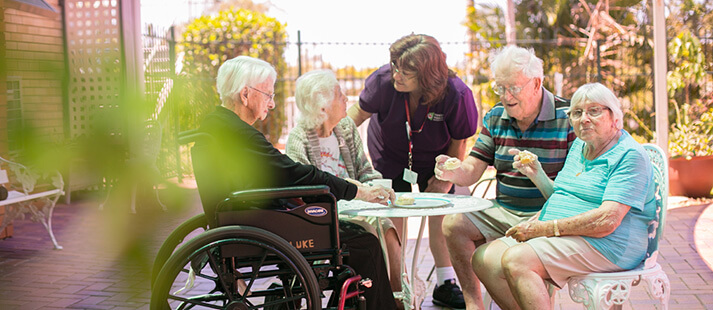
{"x":526,"y":157}
{"x":451,"y":164}
{"x":405,"y":200}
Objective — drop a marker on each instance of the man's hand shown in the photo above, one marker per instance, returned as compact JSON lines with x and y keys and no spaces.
{"x":377,"y":194}
{"x":440,"y":171}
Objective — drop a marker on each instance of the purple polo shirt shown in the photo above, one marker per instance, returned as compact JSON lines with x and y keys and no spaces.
{"x":455,"y":117}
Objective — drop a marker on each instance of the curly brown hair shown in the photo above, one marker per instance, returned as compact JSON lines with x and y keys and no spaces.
{"x":422,"y":54}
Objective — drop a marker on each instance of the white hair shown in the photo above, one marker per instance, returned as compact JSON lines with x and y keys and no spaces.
{"x":240,"y":72}
{"x":314,"y":91}
{"x":510,"y":61}
{"x":598,"y":93}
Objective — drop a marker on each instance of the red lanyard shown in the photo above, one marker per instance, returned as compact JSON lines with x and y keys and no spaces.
{"x":409,"y":132}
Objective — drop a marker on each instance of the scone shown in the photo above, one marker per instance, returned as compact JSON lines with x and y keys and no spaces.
{"x":451,"y":164}
{"x":405,"y":200}
{"x":526,"y":157}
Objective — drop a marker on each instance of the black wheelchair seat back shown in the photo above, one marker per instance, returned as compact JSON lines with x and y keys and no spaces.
{"x":305,"y":216}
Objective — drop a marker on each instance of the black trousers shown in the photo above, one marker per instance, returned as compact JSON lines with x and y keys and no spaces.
{"x":367,"y":259}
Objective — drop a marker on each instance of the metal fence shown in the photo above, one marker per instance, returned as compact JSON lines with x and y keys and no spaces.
{"x":627,"y":69}
{"x":161,"y":104}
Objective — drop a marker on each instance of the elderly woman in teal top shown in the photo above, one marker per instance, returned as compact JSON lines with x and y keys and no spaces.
{"x":326,"y":138}
{"x":595,"y":218}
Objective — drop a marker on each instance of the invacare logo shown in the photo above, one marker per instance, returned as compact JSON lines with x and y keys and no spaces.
{"x":316,"y":211}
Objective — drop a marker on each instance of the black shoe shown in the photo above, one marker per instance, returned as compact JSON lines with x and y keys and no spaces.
{"x":448,"y":295}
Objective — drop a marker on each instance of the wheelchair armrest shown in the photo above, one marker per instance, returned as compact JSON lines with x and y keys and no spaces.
{"x":305,"y":216}
{"x":275,"y":193}
{"x":282,"y":192}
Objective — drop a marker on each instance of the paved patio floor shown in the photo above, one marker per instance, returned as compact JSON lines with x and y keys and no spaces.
{"x":105,"y":263}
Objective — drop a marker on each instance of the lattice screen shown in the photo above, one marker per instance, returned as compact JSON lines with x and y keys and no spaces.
{"x":95,"y":66}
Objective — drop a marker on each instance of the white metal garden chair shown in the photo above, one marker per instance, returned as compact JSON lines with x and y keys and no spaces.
{"x":607,"y":290}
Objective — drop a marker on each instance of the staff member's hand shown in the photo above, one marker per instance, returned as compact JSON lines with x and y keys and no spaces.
{"x":438,"y":186}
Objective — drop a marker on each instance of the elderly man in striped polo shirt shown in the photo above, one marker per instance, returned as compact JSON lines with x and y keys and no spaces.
{"x":529,"y":117}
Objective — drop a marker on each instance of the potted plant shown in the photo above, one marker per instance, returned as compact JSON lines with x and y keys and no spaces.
{"x":691,"y":149}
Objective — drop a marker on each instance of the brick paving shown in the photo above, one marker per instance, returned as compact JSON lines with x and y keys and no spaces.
{"x":107,"y":257}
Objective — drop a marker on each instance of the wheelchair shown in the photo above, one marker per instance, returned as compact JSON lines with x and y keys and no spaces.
{"x":269,"y":249}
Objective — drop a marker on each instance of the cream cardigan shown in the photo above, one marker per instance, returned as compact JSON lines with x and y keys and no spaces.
{"x":303,"y":147}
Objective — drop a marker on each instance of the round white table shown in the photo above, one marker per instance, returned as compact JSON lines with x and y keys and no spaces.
{"x":413,"y":288}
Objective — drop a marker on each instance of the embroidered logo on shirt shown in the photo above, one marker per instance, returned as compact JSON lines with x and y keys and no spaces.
{"x":435,"y":117}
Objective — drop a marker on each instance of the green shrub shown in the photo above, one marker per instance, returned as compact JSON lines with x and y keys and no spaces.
{"x":208,"y":41}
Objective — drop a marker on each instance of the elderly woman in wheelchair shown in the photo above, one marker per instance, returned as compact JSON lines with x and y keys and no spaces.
{"x":271,"y":237}
{"x":596,"y":216}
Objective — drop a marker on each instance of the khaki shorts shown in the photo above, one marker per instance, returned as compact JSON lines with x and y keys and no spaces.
{"x":567,"y":256}
{"x":496,"y":220}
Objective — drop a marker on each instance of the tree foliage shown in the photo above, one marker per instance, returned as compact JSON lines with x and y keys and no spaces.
{"x":593,"y":40}
{"x":484,"y":20}
{"x":579,"y":39}
{"x":208,"y":41}
{"x":692,"y":130}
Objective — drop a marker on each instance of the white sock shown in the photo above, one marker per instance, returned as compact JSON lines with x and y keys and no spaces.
{"x":445,"y":273}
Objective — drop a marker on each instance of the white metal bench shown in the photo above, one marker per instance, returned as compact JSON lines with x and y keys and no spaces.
{"x":39,"y":204}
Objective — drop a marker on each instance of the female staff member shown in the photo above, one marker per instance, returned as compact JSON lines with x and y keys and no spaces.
{"x":418,"y":109}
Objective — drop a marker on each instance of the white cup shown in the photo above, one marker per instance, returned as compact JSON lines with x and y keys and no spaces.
{"x":386,"y":183}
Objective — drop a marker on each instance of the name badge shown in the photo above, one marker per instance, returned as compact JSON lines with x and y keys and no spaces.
{"x":410,"y":176}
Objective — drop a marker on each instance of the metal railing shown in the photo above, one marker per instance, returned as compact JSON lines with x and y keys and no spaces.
{"x":627,"y":69}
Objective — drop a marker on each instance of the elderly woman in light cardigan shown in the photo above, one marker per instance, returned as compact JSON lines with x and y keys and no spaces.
{"x":326,"y":138}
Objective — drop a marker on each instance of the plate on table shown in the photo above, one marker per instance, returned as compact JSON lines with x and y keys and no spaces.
{"x":426,"y":203}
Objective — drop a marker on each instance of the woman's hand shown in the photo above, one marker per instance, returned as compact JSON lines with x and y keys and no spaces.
{"x":530,"y":167}
{"x":377,"y":194}
{"x":527,"y":230}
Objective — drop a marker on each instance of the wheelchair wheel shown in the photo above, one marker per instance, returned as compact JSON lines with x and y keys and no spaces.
{"x":236,"y":267}
{"x":197,"y":224}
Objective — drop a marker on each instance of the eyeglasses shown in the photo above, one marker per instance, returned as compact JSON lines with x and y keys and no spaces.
{"x":514,"y":90}
{"x":269,"y":96}
{"x":396,"y":70}
{"x":592,"y":112}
